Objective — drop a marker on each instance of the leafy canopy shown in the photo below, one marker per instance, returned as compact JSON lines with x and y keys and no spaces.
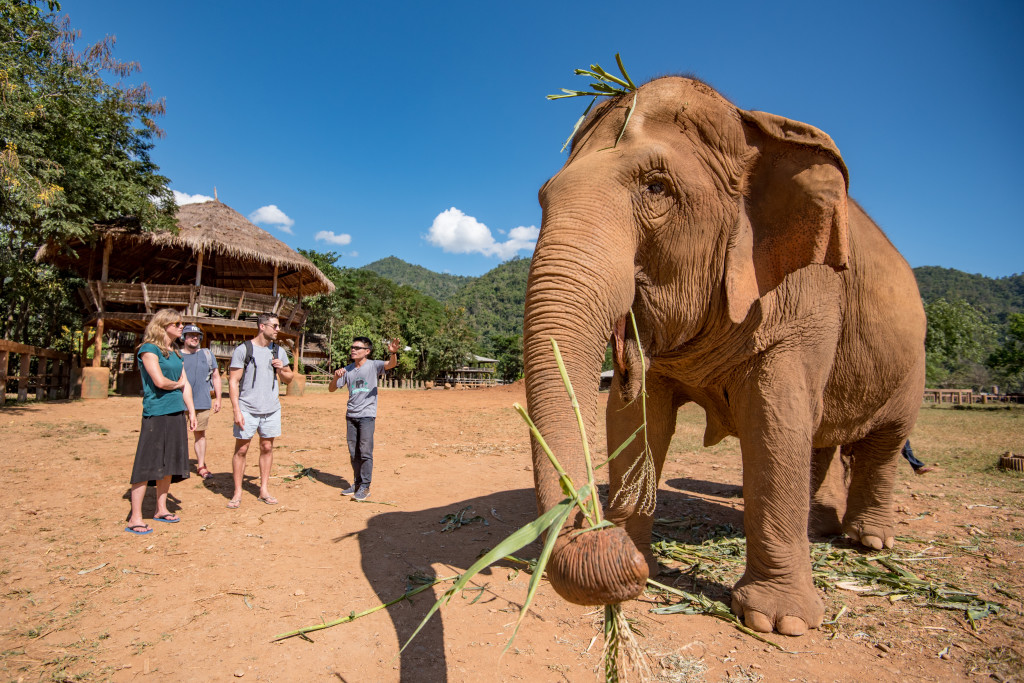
{"x":74,"y":149}
{"x":74,"y":152}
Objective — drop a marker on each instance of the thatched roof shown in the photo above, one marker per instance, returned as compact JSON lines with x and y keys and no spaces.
{"x":236,"y":254}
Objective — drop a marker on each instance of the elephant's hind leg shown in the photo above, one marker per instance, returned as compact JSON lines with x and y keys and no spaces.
{"x":869,"y":516}
{"x":829,"y":484}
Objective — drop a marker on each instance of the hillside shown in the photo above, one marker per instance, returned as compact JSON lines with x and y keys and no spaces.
{"x":996,"y":297}
{"x":440,"y":286}
{"x":494,"y":301}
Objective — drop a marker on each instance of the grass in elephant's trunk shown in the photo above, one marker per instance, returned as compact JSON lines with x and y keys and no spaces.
{"x":622,"y":653}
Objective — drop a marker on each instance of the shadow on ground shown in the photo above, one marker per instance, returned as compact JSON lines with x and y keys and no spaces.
{"x":395,"y":560}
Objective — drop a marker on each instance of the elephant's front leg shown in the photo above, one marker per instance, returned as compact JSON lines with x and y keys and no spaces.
{"x":776,"y":591}
{"x":634,"y":475}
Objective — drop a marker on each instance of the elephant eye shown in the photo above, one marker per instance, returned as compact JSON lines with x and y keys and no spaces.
{"x":656,"y":187}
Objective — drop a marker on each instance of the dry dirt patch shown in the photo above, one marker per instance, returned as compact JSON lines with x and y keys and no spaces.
{"x":202,"y":600}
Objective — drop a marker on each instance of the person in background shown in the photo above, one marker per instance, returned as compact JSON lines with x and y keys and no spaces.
{"x":361,"y":412}
{"x":167,"y":414}
{"x":253,"y":387}
{"x":204,"y":378}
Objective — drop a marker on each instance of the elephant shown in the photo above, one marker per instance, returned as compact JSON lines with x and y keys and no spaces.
{"x":762,"y":292}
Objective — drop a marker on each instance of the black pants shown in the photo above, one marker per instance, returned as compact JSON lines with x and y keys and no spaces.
{"x":360,"y":448}
{"x":908,"y":453}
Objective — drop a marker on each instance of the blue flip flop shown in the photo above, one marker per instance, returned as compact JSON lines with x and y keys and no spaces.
{"x":165,"y":518}
{"x":133,"y":529}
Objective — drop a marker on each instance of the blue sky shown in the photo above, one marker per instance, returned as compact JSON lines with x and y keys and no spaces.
{"x":376,"y":122}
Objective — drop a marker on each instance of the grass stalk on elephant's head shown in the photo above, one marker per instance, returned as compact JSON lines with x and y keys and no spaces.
{"x":604,"y":85}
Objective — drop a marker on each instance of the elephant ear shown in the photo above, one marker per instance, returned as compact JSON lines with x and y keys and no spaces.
{"x":793,"y":212}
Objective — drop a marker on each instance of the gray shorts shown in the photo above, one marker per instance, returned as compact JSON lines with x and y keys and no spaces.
{"x":268,"y":425}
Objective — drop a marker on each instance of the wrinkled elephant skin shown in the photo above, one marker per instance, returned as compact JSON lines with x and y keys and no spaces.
{"x":762,"y":292}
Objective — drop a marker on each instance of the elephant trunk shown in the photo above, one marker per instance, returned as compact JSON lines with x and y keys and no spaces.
{"x":581,"y":284}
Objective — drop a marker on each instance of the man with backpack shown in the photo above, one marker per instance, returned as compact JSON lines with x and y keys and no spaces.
{"x":256,"y":367}
{"x":204,"y":378}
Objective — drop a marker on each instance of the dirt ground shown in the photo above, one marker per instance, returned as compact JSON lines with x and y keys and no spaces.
{"x":204,"y":599}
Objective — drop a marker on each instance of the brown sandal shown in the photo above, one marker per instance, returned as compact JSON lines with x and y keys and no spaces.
{"x":203,"y":472}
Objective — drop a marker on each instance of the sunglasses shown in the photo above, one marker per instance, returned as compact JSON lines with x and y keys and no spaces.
{"x":273,"y":327}
{"x":359,"y":348}
{"x":177,"y":324}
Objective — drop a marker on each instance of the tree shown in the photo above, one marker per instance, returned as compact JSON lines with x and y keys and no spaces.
{"x":509,"y":352}
{"x":74,"y":153}
{"x":958,"y":338}
{"x":1008,"y":359}
{"x":451,"y":344}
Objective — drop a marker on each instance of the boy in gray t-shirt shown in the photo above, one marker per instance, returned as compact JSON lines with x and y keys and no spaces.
{"x":361,"y":412}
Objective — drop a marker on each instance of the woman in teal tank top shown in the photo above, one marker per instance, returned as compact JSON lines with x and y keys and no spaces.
{"x":167,"y":414}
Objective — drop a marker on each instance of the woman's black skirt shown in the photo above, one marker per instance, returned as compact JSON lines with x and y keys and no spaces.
{"x":162,"y":450}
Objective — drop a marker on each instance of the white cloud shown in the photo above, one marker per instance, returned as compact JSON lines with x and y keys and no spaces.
{"x":181,"y":199}
{"x":329,"y":237}
{"x":457,"y":233}
{"x":354,"y":254}
{"x":271,"y":215}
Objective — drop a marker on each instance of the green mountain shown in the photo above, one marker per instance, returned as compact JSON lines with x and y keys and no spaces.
{"x":996,"y":297}
{"x":494,"y":301}
{"x":440,"y":286}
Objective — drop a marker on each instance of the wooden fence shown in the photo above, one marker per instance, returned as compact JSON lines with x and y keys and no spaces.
{"x":52,"y":371}
{"x":391,"y":383}
{"x":968,"y":397}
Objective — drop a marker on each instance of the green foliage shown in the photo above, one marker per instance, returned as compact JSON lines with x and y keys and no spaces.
{"x":451,"y":343}
{"x":1008,"y":359}
{"x":964,"y":346}
{"x":495,"y":301}
{"x":509,"y":352}
{"x":958,"y":337}
{"x":995,"y":297}
{"x":75,"y":148}
{"x":369,"y":305}
{"x":440,"y":286}
{"x":74,"y":152}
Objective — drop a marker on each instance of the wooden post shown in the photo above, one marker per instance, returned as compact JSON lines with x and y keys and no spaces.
{"x":58,"y":381}
{"x":298,"y":304}
{"x":26,"y":358}
{"x":4,"y":359}
{"x":199,"y":270}
{"x":43,"y":380}
{"x":97,"y":348}
{"x":275,"y":280}
{"x":107,"y":248}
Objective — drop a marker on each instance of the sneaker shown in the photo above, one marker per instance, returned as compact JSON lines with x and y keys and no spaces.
{"x":349,"y":491}
{"x":362,"y":493}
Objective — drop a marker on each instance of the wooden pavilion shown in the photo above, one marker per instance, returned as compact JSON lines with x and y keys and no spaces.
{"x":220,"y":270}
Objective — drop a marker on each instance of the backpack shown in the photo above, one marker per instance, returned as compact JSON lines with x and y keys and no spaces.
{"x":210,"y":365}
{"x":249,"y":359}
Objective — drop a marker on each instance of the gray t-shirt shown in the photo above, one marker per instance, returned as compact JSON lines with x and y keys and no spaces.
{"x":259,"y":396}
{"x":362,"y":387}
{"x":198,"y":371}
